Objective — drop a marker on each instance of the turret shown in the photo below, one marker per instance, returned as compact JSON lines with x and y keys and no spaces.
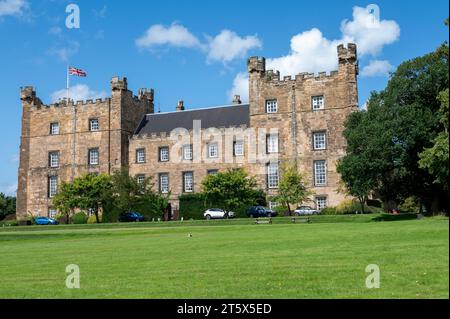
{"x":348,"y":56}
{"x":28,"y":96}
{"x":118,"y":84}
{"x":256,"y":64}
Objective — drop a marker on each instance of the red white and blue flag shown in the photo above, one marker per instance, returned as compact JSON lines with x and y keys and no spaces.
{"x":77,"y":72}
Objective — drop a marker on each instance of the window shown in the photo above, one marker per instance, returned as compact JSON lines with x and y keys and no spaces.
{"x":272,"y":205}
{"x":212,"y":171}
{"x":93,"y":125}
{"x":239,"y":148}
{"x":319,"y":141}
{"x":140,"y":178}
{"x":213,"y":150}
{"x":52,"y":186}
{"x":164,"y":154}
{"x":52,"y":212}
{"x":53,"y":159}
{"x":271,"y":106}
{"x":188,"y":181}
{"x":317,"y":102}
{"x":93,"y":156}
{"x":164,"y":183}
{"x":140,"y":155}
{"x":321,"y":202}
{"x":187,"y":152}
{"x":272,"y":143}
{"x":272,"y":175}
{"x":320,"y":173}
{"x":54,"y":128}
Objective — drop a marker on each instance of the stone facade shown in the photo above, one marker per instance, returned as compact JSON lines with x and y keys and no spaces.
{"x":297,"y":110}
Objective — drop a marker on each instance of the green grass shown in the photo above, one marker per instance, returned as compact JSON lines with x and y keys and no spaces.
{"x":229,"y":259}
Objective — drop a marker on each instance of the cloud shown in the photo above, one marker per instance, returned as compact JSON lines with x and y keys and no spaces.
{"x":101,"y":13}
{"x":77,"y":93}
{"x":65,"y":51}
{"x":312,"y":52}
{"x":240,"y":87}
{"x":12,"y":7}
{"x":9,"y":189}
{"x":377,"y":68}
{"x":55,"y":30}
{"x":227,"y":46}
{"x":176,"y":35}
{"x":224,"y":47}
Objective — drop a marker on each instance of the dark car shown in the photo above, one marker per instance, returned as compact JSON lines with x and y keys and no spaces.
{"x":260,"y":211}
{"x":45,"y":221}
{"x":131,"y":217}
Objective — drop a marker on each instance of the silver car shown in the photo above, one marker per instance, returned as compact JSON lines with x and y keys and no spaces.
{"x":305,"y":210}
{"x":217,"y":213}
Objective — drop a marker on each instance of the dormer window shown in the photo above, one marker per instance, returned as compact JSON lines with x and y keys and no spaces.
{"x":317,"y":102}
{"x":271,"y":106}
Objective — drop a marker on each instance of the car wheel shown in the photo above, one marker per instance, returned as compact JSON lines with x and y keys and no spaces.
{"x":208,"y":217}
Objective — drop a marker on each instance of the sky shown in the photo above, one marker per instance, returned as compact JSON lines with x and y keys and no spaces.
{"x":195,"y":51}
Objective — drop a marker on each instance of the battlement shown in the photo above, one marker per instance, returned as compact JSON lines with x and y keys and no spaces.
{"x":256,"y":64}
{"x":347,"y":55}
{"x":118,"y":84}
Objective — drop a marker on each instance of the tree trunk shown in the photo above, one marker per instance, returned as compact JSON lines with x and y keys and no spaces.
{"x":289,"y":209}
{"x":361,"y":201}
{"x":96,"y":215}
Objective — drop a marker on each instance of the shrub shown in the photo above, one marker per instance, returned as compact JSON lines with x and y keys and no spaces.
{"x":375,"y":203}
{"x":349,"y":206}
{"x":329,"y":210}
{"x":93,"y":220}
{"x":409,"y":205}
{"x":79,"y":218}
{"x":61,"y":218}
{"x":192,"y":206}
{"x":280,"y":210}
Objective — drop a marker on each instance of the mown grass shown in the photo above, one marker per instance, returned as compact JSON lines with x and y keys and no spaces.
{"x":323,"y":259}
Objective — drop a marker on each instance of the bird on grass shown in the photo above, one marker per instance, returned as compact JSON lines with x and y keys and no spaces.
{"x":189,"y":235}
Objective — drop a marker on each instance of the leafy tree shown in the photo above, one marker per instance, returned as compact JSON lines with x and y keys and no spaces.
{"x":66,"y":200}
{"x":383,"y":142}
{"x":92,"y":191}
{"x":7,"y":205}
{"x":291,"y":187}
{"x":231,"y":189}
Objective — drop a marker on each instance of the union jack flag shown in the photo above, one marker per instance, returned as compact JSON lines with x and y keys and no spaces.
{"x":77,"y":72}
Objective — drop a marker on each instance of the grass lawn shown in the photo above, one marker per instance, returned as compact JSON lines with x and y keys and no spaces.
{"x":229,"y":259}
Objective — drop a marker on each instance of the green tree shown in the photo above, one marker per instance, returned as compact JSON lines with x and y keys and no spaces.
{"x":291,"y":187}
{"x":230,"y":189}
{"x":383,"y":142}
{"x":66,"y":200}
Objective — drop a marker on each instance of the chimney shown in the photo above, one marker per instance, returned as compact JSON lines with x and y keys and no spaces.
{"x":180,"y":106}
{"x":237,"y":99}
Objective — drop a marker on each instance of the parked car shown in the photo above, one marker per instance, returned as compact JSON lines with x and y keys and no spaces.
{"x":260,"y":211}
{"x":217,"y":213}
{"x":131,"y":217}
{"x":45,"y":221}
{"x":305,"y":210}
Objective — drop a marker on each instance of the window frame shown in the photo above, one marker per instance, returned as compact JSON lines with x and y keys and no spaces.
{"x":50,"y":214}
{"x":50,"y":159}
{"x":160,"y":188}
{"x":187,"y":173}
{"x":51,"y":128}
{"x":315,"y":133}
{"x":138,"y":177}
{"x":269,"y":174}
{"x":50,"y":191}
{"x":138,"y":161}
{"x":241,"y":143}
{"x":323,"y":102}
{"x":96,"y":149}
{"x":316,"y":176}
{"x":271,"y":106}
{"x":160,"y":149}
{"x":212,"y":171}
{"x":216,"y":145}
{"x":191,"y":151}
{"x":91,"y":121}
{"x":269,"y":137}
{"x":316,"y":200}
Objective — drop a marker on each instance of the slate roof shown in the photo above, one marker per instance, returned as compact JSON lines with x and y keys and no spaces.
{"x":219,"y":116}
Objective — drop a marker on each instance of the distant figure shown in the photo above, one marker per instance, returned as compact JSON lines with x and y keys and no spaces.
{"x":189,"y":235}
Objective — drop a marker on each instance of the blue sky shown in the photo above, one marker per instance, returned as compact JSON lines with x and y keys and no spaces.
{"x":194,"y":50}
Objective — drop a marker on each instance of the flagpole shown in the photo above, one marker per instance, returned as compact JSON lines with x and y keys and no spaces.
{"x":67,"y":83}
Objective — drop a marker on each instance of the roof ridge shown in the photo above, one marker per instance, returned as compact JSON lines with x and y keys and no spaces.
{"x":200,"y":109}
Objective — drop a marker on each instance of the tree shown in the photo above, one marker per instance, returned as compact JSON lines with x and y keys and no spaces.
{"x":383,"y":142}
{"x":65,"y":200}
{"x":230,"y":189}
{"x":7,"y":205}
{"x":291,"y":187}
{"x":92,"y":191}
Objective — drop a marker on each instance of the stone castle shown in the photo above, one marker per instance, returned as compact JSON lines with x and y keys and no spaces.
{"x":297,"y":120}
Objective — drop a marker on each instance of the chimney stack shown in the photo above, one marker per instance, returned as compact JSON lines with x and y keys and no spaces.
{"x":237,"y":99}
{"x":180,"y":106}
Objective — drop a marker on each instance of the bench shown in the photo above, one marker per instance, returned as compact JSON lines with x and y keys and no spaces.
{"x":300,"y":219}
{"x":263,"y":221}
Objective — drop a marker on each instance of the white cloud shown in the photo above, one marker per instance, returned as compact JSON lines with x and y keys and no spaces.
{"x":12,"y":7}
{"x":77,"y":92}
{"x":377,"y":68}
{"x":312,"y":52}
{"x":176,"y":35}
{"x":227,"y":46}
{"x":65,"y":50}
{"x":224,"y":47}
{"x":368,"y":32}
{"x":55,"y":30}
{"x":240,"y":87}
